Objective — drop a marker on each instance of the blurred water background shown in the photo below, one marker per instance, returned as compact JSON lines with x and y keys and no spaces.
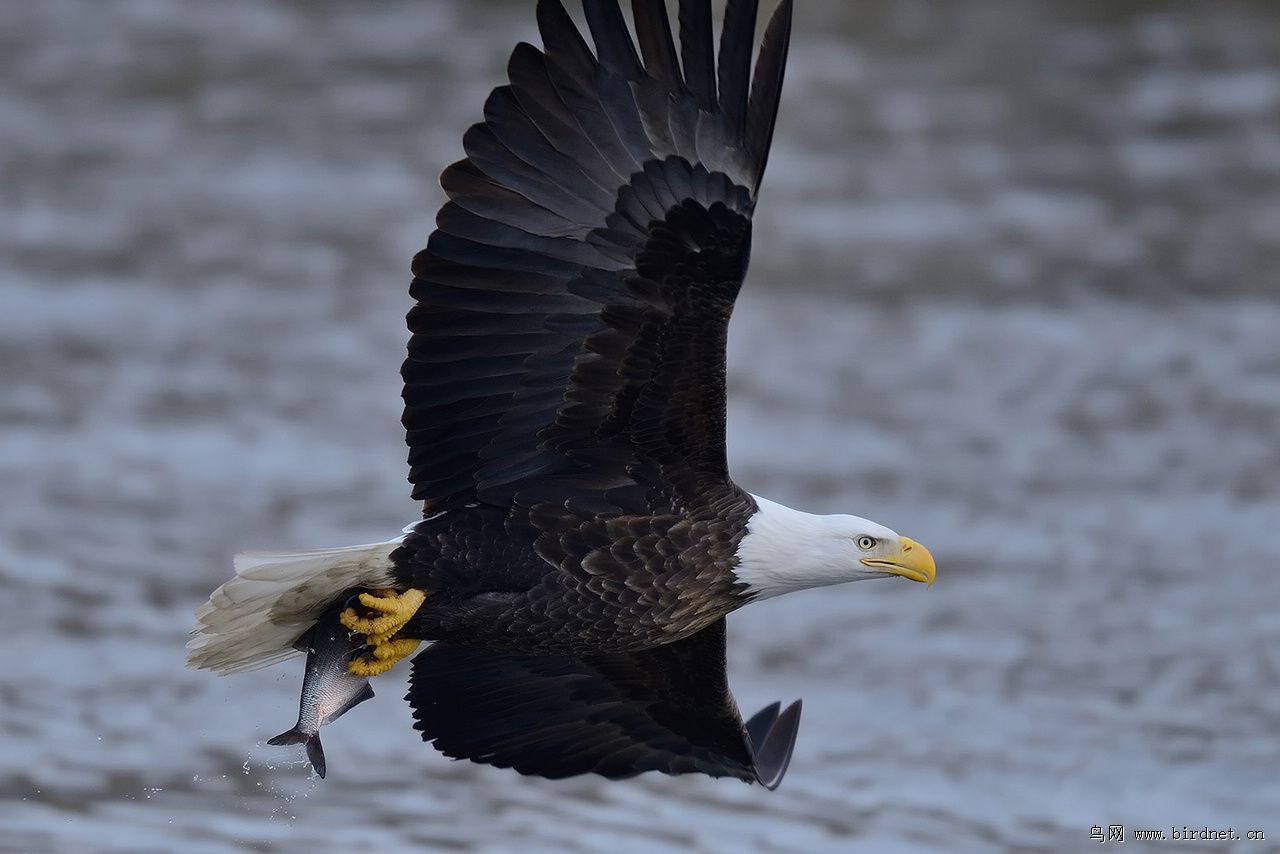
{"x":1014,"y":292}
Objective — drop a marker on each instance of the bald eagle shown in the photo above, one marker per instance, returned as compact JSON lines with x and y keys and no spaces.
{"x":581,"y":541}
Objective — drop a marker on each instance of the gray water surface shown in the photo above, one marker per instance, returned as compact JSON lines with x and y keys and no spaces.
{"x":1014,"y":293}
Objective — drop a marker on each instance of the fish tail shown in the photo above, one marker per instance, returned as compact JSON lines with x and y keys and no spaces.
{"x":315,"y":751}
{"x":292,"y":736}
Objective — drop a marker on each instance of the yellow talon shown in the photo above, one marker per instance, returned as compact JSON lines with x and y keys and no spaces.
{"x":395,"y":650}
{"x":386,"y":601}
{"x":396,"y":609}
{"x":383,"y":657}
{"x":364,"y":667}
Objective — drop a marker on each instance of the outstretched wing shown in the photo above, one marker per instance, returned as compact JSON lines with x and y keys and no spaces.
{"x":572,"y":305}
{"x":616,"y":714}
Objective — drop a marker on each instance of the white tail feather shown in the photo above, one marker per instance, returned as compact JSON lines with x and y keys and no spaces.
{"x":253,"y":620}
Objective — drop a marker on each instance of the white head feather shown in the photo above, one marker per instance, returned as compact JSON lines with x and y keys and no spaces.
{"x":786,"y":550}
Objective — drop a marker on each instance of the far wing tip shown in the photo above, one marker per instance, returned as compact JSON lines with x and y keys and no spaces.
{"x":773,"y":752}
{"x":758,"y":726}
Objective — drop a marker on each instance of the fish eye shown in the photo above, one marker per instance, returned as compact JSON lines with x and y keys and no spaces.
{"x":865,"y":543}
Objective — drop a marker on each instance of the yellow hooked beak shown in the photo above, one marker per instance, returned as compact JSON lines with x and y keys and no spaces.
{"x":912,"y":561}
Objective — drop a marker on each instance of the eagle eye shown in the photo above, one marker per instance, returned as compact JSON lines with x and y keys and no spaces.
{"x":865,"y":543}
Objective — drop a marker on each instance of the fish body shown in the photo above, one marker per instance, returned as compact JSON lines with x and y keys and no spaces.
{"x":328,"y":691}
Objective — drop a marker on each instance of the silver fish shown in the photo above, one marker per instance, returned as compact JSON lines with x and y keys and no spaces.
{"x":328,"y":690}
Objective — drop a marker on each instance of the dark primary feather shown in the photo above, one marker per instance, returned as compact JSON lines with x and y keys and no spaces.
{"x":697,"y":52}
{"x":653,"y":32}
{"x":568,"y":336}
{"x":613,"y":43}
{"x":666,"y":709}
{"x":766,"y":89}
{"x":736,"y":39}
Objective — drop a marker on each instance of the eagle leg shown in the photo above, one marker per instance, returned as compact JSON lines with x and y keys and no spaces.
{"x":395,"y":608}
